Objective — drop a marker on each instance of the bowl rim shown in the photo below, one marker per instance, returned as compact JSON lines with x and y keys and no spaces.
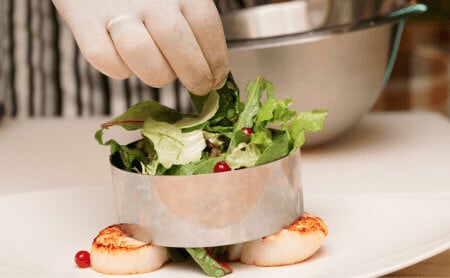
{"x":116,"y":168}
{"x":293,"y":39}
{"x":393,"y":16}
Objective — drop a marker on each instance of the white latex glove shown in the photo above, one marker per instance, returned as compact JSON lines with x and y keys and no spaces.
{"x":156,"y":40}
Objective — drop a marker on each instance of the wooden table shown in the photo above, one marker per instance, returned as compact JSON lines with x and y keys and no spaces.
{"x":437,"y":266}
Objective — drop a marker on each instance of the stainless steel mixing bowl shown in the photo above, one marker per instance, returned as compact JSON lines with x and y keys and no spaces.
{"x":334,"y":55}
{"x":211,"y":209}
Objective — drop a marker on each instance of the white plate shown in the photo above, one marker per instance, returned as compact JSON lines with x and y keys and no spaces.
{"x":370,"y":235}
{"x":384,"y":191}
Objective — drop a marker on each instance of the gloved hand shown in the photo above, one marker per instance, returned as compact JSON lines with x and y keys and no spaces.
{"x":156,"y":40}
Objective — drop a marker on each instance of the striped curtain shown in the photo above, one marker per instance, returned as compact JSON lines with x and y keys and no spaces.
{"x":43,"y":74}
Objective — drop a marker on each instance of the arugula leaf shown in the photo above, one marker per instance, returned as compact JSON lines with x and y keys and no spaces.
{"x":127,"y":155}
{"x":208,"y":263}
{"x":279,"y":148}
{"x":229,"y":104}
{"x":255,"y":90}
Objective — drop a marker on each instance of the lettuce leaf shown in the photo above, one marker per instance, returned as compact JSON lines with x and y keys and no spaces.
{"x":172,"y":146}
{"x":244,"y":155}
{"x":209,"y":109}
{"x":312,"y":121}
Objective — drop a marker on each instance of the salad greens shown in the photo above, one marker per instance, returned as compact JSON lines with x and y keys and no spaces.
{"x":184,"y":144}
{"x":208,"y":261}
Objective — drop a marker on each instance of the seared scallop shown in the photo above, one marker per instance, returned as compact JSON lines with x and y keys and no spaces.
{"x":291,"y":245}
{"x":115,"y":251}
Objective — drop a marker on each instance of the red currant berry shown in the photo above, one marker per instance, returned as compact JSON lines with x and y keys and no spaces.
{"x":221,"y":166}
{"x":83,"y":259}
{"x":248,"y":131}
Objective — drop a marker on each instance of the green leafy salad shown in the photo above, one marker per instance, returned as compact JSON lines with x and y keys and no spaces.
{"x":225,"y":135}
{"x":226,"y":129}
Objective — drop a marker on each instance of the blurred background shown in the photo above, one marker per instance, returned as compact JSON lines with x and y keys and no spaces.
{"x":37,"y":78}
{"x":421,"y":75}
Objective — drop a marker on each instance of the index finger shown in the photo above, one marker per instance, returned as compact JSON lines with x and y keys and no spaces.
{"x":204,"y":20}
{"x":175,"y":39}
